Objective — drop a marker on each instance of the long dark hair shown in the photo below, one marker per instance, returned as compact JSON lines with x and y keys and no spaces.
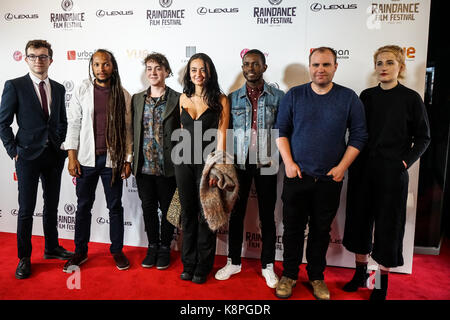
{"x":211,"y":89}
{"x":115,"y":121}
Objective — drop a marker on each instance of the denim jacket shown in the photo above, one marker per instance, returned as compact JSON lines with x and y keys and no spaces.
{"x":240,"y":121}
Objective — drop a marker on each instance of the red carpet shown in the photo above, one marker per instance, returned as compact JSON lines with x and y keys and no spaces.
{"x":100,"y":280}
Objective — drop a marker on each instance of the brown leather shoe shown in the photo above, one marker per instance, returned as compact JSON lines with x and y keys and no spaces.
{"x":284,"y":287}
{"x":320,"y":290}
{"x":121,"y":260}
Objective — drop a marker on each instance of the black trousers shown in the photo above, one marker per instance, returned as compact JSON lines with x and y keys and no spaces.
{"x":48,"y":167}
{"x":304,"y":199}
{"x":266,"y":189}
{"x":156,"y":192}
{"x":376,"y":195}
{"x":199,"y":242}
{"x":85,"y":190}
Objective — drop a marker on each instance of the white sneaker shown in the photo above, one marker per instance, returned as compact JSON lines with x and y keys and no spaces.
{"x":270,"y":276}
{"x":227,"y":271}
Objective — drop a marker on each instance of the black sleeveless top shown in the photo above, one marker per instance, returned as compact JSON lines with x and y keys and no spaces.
{"x":209,"y":119}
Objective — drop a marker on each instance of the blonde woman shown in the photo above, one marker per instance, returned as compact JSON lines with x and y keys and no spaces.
{"x":399,"y":134}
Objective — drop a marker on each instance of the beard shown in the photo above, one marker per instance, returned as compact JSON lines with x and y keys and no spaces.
{"x":103,"y":80}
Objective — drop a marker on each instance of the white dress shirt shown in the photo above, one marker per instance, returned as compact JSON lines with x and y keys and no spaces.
{"x":47,"y":88}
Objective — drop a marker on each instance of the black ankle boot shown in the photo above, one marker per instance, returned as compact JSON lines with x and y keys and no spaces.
{"x":150,"y":258}
{"x":359,"y":279}
{"x":163,"y":259}
{"x":379,"y":294}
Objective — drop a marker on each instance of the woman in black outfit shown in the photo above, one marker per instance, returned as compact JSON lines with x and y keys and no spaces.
{"x":399,"y":134}
{"x":202,"y":107}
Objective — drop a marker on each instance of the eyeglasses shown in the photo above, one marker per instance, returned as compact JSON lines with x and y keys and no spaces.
{"x":42,"y":57}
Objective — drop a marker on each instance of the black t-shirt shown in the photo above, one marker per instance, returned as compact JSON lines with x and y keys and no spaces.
{"x":397,"y":123}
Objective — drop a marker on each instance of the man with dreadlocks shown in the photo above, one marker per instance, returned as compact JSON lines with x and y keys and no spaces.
{"x":100,"y":144}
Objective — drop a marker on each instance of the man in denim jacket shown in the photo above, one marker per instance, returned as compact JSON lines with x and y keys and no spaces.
{"x":254,"y":109}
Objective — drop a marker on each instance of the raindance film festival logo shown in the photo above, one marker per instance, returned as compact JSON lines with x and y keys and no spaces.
{"x":165,"y":17}
{"x":67,"y":222}
{"x":275,"y":15}
{"x":392,"y":12}
{"x":279,"y":242}
{"x":67,"y":20}
{"x":253,"y":240}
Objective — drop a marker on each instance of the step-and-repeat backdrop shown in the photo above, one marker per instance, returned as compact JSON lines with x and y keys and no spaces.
{"x":285,"y":30}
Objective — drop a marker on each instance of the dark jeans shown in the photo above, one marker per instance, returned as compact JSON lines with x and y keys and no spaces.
{"x":86,"y":186}
{"x":266,"y":189}
{"x":48,"y":166}
{"x":156,"y":191}
{"x":302,"y":199}
{"x":376,"y":195}
{"x":199,"y":242}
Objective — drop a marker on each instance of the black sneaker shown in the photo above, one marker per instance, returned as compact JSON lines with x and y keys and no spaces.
{"x":76,"y":260}
{"x":186,"y":275}
{"x":150,"y":259}
{"x":163,"y":260}
{"x":199,"y":279}
{"x":121,"y":260}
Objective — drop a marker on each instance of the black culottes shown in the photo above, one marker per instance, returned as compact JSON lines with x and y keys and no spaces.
{"x":376,"y":195}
